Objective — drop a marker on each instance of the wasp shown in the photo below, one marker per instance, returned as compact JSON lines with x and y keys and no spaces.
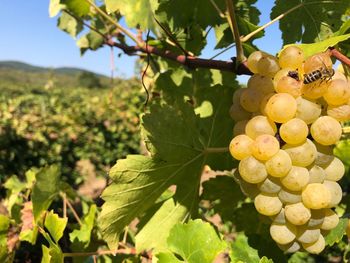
{"x":323,"y":74}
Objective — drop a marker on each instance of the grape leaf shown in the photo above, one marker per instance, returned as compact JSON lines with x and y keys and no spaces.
{"x":310,"y":49}
{"x":242,"y":252}
{"x":155,"y":233}
{"x":45,"y":189}
{"x":136,"y":12}
{"x":69,"y":24}
{"x":4,"y":226}
{"x":55,"y":7}
{"x":194,"y":242}
{"x":55,"y":225}
{"x":78,"y":7}
{"x":337,"y":233}
{"x":312,"y":21}
{"x":83,"y":235}
{"x":53,"y":253}
{"x":225,"y":190}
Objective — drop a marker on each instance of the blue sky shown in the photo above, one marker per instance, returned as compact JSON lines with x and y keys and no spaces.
{"x":29,"y":35}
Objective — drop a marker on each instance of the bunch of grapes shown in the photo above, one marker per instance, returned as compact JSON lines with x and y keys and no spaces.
{"x":287,"y":122}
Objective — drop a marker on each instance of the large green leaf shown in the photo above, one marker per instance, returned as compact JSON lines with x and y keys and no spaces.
{"x":136,"y":12}
{"x":55,"y":7}
{"x":45,"y":189}
{"x":313,"y":21}
{"x":194,"y":242}
{"x":69,"y":24}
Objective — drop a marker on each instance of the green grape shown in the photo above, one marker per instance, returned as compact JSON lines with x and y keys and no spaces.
{"x":297,"y":213}
{"x":302,"y":154}
{"x":279,"y":164}
{"x":265,"y":146}
{"x":241,"y":147}
{"x":259,"y":125}
{"x":294,"y":131}
{"x":316,"y":196}
{"x":252,"y":170}
{"x":267,"y":204}
{"x":296,"y":179}
{"x":283,"y":233}
{"x":281,"y":107}
{"x":326,"y":130}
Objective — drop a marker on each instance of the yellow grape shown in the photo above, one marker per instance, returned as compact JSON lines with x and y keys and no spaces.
{"x":296,"y":179}
{"x":314,"y":90}
{"x":252,"y":170}
{"x":279,"y":164}
{"x":270,"y":185}
{"x":294,"y":131}
{"x":283,"y":233}
{"x":241,"y":147}
{"x":340,"y":113}
{"x":334,"y":170}
{"x":307,"y":111}
{"x":265,"y":146}
{"x":338,"y":92}
{"x":316,"y":247}
{"x":281,"y":107}
{"x":331,"y":220}
{"x":250,"y":190}
{"x":289,"y":85}
{"x":316,"y":196}
{"x":268,"y":66}
{"x":267,"y":204}
{"x":259,"y":125}
{"x":317,"y":218}
{"x":316,"y":174}
{"x":297,"y":213}
{"x":317,"y":61}
{"x":239,"y":127}
{"x":324,"y":155}
{"x":264,"y":101}
{"x":291,"y":57}
{"x":308,"y":235}
{"x":290,"y":248}
{"x":281,"y":73}
{"x":262,"y":83}
{"x":326,"y":130}
{"x":336,"y":192}
{"x":237,"y":112}
{"x":253,"y":60}
{"x":302,"y":154}
{"x":289,"y":197}
{"x":279,"y":218}
{"x":250,"y":99}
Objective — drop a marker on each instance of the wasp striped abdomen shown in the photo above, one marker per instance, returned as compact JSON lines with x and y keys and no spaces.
{"x":312,"y":76}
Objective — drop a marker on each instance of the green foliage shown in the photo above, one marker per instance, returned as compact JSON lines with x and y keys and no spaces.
{"x":89,"y":80}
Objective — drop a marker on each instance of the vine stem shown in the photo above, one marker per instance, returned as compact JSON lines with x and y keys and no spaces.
{"x":338,"y":55}
{"x":247,"y":37}
{"x":75,"y":214}
{"x":122,"y":29}
{"x":216,"y":150}
{"x":234,"y":28}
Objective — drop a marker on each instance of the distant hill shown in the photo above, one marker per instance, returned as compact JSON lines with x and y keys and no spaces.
{"x":16,"y":73}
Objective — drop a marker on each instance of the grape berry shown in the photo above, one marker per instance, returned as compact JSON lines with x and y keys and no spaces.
{"x":284,"y":132}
